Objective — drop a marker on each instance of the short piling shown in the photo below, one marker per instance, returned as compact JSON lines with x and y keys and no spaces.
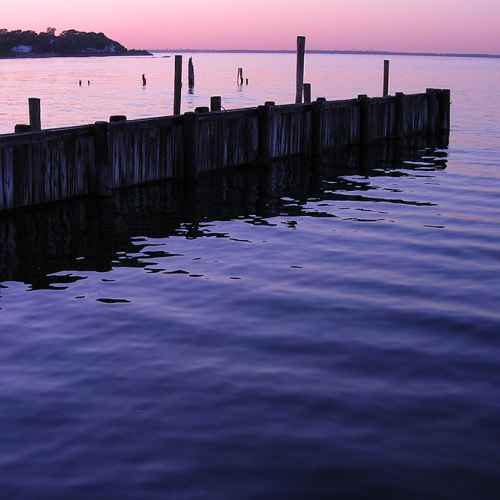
{"x":386,"y":78}
{"x":178,"y":85}
{"x":191,"y":73}
{"x":216,"y":103}
{"x":301,"y":47}
{"x":117,"y":118}
{"x":307,"y":93}
{"x":21,"y":128}
{"x":34,"y":110}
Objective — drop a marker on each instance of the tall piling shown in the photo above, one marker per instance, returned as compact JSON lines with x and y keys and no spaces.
{"x":191,"y":73}
{"x":301,"y":47}
{"x":35,"y":114}
{"x":178,"y":85}
{"x":386,"y":78}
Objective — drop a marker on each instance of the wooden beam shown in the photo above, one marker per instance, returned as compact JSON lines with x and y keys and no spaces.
{"x":34,"y":109}
{"x":386,"y":78}
{"x":216,"y":103}
{"x":178,"y":85}
{"x":307,"y":93}
{"x":191,"y":73}
{"x":301,"y":48}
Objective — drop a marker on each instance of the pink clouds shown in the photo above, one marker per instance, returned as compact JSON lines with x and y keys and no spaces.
{"x":410,"y":25}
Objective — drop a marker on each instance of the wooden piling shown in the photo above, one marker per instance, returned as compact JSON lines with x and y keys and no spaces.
{"x":432,"y":111}
{"x":190,"y":134}
{"x":444,"y":111}
{"x":307,"y":93}
{"x":100,"y":179}
{"x":301,"y":47}
{"x":191,"y":73}
{"x":178,"y":85}
{"x":386,"y":78}
{"x":216,"y":103}
{"x":34,"y":110}
{"x":363,"y":119}
{"x":317,"y":132}
{"x":264,"y":113}
{"x":117,"y":118}
{"x":21,"y":128}
{"x":400,"y":116}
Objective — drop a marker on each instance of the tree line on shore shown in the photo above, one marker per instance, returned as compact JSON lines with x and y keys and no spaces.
{"x":69,"y":42}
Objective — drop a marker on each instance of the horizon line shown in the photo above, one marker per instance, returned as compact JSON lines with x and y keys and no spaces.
{"x":333,"y":51}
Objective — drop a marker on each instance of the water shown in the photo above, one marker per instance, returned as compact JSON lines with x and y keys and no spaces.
{"x":288,"y":333}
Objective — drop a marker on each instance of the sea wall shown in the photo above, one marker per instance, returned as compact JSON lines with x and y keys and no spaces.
{"x":59,"y":164}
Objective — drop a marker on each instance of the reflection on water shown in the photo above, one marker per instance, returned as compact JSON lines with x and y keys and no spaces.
{"x":99,"y":234}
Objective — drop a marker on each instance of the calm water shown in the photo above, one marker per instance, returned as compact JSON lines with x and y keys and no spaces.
{"x":284,"y":333}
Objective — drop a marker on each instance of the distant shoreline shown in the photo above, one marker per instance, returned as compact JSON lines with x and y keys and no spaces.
{"x":331,"y":52}
{"x":52,"y":56}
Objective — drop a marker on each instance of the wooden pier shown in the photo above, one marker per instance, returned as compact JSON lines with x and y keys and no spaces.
{"x":39,"y":167}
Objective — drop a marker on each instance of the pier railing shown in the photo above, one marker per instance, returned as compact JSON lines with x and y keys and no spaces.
{"x":58,"y":164}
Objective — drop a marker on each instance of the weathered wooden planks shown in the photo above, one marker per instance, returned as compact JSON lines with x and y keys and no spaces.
{"x":226,"y":139}
{"x":290,"y":130}
{"x":45,"y":167}
{"x":144,"y":151}
{"x":339,"y":124}
{"x":53,"y":165}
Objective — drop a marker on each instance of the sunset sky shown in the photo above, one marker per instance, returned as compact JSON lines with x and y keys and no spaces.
{"x":407,"y":25}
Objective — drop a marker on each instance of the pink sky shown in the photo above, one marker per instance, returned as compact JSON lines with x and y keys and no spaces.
{"x":407,"y":25}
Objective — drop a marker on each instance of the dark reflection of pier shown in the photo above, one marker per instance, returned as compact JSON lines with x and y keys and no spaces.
{"x":86,"y":235}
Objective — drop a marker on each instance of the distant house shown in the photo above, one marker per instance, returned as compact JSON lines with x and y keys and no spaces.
{"x":22,"y":49}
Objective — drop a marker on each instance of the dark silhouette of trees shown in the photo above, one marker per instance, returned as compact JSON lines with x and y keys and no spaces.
{"x":69,"y":42}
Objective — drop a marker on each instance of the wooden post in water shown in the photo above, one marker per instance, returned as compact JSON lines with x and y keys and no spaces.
{"x":301,"y":48}
{"x":178,"y":85}
{"x":240,"y":76}
{"x":21,"y":128}
{"x":216,"y":103}
{"x":307,"y":93}
{"x":35,"y":120}
{"x":386,"y":77}
{"x":191,"y":73}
